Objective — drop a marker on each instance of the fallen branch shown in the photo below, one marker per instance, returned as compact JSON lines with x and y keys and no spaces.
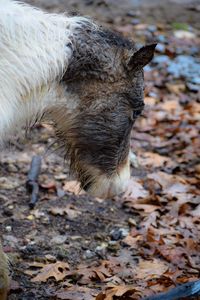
{"x":32,"y":185}
{"x":189,"y":289}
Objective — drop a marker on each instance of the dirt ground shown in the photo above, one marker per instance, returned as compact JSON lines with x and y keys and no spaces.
{"x":97,"y":244}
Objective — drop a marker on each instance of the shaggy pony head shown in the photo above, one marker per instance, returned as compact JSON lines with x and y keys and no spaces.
{"x":105,"y":80}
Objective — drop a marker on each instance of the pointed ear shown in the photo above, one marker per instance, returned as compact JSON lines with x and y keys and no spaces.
{"x":141,"y":57}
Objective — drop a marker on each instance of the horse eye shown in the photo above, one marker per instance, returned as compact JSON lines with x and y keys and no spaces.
{"x":136,"y":113}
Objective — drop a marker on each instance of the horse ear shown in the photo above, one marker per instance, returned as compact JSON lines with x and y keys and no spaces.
{"x":141,"y":57}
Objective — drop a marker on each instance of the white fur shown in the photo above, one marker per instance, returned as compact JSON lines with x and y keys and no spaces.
{"x":107,"y":187}
{"x":35,"y":49}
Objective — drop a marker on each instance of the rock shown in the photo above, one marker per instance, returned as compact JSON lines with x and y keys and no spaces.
{"x":161,"y":38}
{"x":7,"y":183}
{"x":89,"y":254}
{"x":119,"y":233}
{"x":183,"y":34}
{"x":135,"y":21}
{"x":132,"y":222}
{"x":8,"y":228}
{"x":12,"y":241}
{"x":102,"y":246}
{"x":160,"y":48}
{"x":133,"y":13}
{"x":59,"y":239}
{"x":193,"y":87}
{"x":152,"y":28}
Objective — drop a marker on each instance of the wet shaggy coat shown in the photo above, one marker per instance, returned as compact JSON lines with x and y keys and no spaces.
{"x":87,"y":80}
{"x":82,"y":78}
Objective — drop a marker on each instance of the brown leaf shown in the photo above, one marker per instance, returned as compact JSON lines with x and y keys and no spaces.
{"x":132,"y":241}
{"x":155,"y":160}
{"x":121,"y":292}
{"x":135,"y":190}
{"x":149,"y":269}
{"x":56,"y":270}
{"x":76,"y":293}
{"x":196,"y":211}
{"x":147,"y":208}
{"x":70,"y":210}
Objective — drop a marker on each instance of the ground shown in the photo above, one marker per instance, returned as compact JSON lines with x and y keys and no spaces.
{"x":72,"y":246}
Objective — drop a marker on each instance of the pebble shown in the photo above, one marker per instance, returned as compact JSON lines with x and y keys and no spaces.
{"x":133,"y":13}
{"x":101,"y":249}
{"x":135,"y":21}
{"x":7,"y":212}
{"x":161,"y":38}
{"x":183,"y":34}
{"x":119,"y":233}
{"x":132,"y":222}
{"x":13,"y":241}
{"x":9,"y":228}
{"x":152,"y":28}
{"x":160,"y":48}
{"x":89,"y":254}
{"x":193,"y":87}
{"x":59,"y":239}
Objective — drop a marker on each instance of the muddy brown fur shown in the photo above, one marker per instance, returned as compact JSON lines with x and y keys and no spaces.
{"x":102,"y":95}
{"x":106,"y":76}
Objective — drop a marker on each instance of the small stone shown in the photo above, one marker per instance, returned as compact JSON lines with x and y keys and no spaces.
{"x":132,"y":222}
{"x":89,"y":254}
{"x":12,"y":168}
{"x":59,"y":239}
{"x":152,"y":28}
{"x":101,"y":249}
{"x":112,"y":243}
{"x":61,"y":177}
{"x":133,"y":13}
{"x":160,"y":48}
{"x":7,"y":212}
{"x":135,"y":21}
{"x":30,"y":218}
{"x":183,"y":34}
{"x":12,"y":241}
{"x":161,"y":38}
{"x":119,"y":233}
{"x":113,"y":246}
{"x":193,"y":87}
{"x":50,"y":257}
{"x":9,"y":228}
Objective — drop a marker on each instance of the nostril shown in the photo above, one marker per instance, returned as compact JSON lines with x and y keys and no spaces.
{"x":86,"y":184}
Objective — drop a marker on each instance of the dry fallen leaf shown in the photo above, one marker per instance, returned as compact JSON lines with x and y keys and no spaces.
{"x":149,"y":269}
{"x":121,"y":292}
{"x":155,"y":160}
{"x":135,"y":190}
{"x":56,"y":270}
{"x":70,"y":210}
{"x":76,"y":293}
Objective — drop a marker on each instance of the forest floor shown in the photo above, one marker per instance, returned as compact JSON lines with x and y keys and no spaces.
{"x":75,"y":247}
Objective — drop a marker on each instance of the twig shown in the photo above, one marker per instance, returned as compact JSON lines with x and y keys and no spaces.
{"x":32,"y":185}
{"x":185,"y":291}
